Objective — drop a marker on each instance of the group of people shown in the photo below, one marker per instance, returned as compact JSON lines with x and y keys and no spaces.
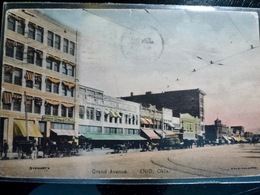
{"x":19,"y":149}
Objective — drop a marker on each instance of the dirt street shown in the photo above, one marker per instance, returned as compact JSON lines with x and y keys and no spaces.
{"x":205,"y":162}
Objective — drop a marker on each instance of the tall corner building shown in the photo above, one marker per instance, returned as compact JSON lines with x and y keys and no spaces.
{"x":38,"y":83}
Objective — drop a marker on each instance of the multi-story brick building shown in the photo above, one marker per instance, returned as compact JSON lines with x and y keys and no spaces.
{"x":38,"y":77}
{"x":183,"y":101}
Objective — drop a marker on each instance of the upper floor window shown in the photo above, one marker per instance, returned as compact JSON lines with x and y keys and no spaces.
{"x":65,"y":45}
{"x":29,"y":79}
{"x":17,"y":100}
{"x":30,"y":55}
{"x":18,"y":76}
{"x":81,"y":112}
{"x":39,"y":56}
{"x":9,"y":48}
{"x":72,"y":48}
{"x":38,"y":81}
{"x":40,"y":34}
{"x":37,"y":105}
{"x":11,"y":23}
{"x":70,"y":70}
{"x":19,"y":51}
{"x":31,"y":30}
{"x":57,"y":42}
{"x":7,"y":100}
{"x":50,"y":38}
{"x":20,"y":26}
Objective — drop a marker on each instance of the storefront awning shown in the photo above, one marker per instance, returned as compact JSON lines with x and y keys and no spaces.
{"x":150,"y":133}
{"x":61,"y":132}
{"x":144,"y":122}
{"x":20,"y":129}
{"x":119,"y":137}
{"x":171,"y":125}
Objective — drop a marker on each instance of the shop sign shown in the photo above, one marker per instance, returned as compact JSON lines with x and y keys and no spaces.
{"x":57,"y":119}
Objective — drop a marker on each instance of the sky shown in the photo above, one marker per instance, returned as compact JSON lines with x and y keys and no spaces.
{"x":138,"y":50}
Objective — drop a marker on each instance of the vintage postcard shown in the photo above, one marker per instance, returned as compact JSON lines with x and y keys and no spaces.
{"x":136,"y":92}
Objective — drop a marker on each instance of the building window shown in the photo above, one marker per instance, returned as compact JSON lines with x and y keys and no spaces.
{"x":63,"y":111}
{"x":17,"y":100}
{"x":64,"y":68}
{"x":49,"y":63}
{"x":38,"y":81}
{"x":57,"y":42}
{"x":40,"y":34}
{"x":29,"y":101}
{"x":98,"y":115}
{"x":47,"y":109}
{"x":90,"y":113}
{"x":18,"y":76}
{"x":72,"y":48}
{"x":20,"y":26}
{"x":56,"y":88}
{"x":7,"y":100}
{"x":70,"y":112}
{"x":56,"y":66}
{"x":48,"y":85}
{"x":105,"y":117}
{"x":65,"y":45}
{"x":55,"y":110}
{"x":19,"y":51}
{"x":31,"y":30}
{"x":64,"y":90}
{"x":8,"y":73}
{"x":30,"y":55}
{"x":81,"y":112}
{"x":39,"y":56}
{"x":29,"y":79}
{"x":37,"y":105}
{"x":70,"y":70}
{"x":50,"y":38}
{"x":29,"y":84}
{"x":9,"y":48}
{"x":11,"y":23}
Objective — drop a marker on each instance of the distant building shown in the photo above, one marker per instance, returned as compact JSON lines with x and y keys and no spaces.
{"x":190,"y":127}
{"x":218,"y":131}
{"x":238,"y":130}
{"x":105,"y":121}
{"x":183,"y":101}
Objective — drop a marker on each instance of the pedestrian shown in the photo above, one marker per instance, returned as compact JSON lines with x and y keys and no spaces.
{"x":34,"y":151}
{"x":5,"y":148}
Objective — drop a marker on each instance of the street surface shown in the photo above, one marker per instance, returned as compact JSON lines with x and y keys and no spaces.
{"x":204,"y":162}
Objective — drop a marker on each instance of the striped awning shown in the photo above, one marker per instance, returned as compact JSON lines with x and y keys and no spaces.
{"x":7,"y":97}
{"x":69,"y":84}
{"x":9,"y":69}
{"x":61,"y":132}
{"x":53,"y":80}
{"x":68,"y":105}
{"x":52,"y":102}
{"x":150,"y":134}
{"x":144,"y":122}
{"x":21,"y":130}
{"x":28,"y":76}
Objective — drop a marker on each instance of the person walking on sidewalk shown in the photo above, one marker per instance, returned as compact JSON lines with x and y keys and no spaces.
{"x":5,"y":148}
{"x":34,"y":151}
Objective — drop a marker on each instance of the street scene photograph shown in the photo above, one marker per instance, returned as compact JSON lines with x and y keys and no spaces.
{"x":130,"y":92}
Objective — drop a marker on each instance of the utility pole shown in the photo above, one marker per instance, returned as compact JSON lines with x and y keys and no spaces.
{"x":26,"y":116}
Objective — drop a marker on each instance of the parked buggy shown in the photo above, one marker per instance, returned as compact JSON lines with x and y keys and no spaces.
{"x":120,"y":148}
